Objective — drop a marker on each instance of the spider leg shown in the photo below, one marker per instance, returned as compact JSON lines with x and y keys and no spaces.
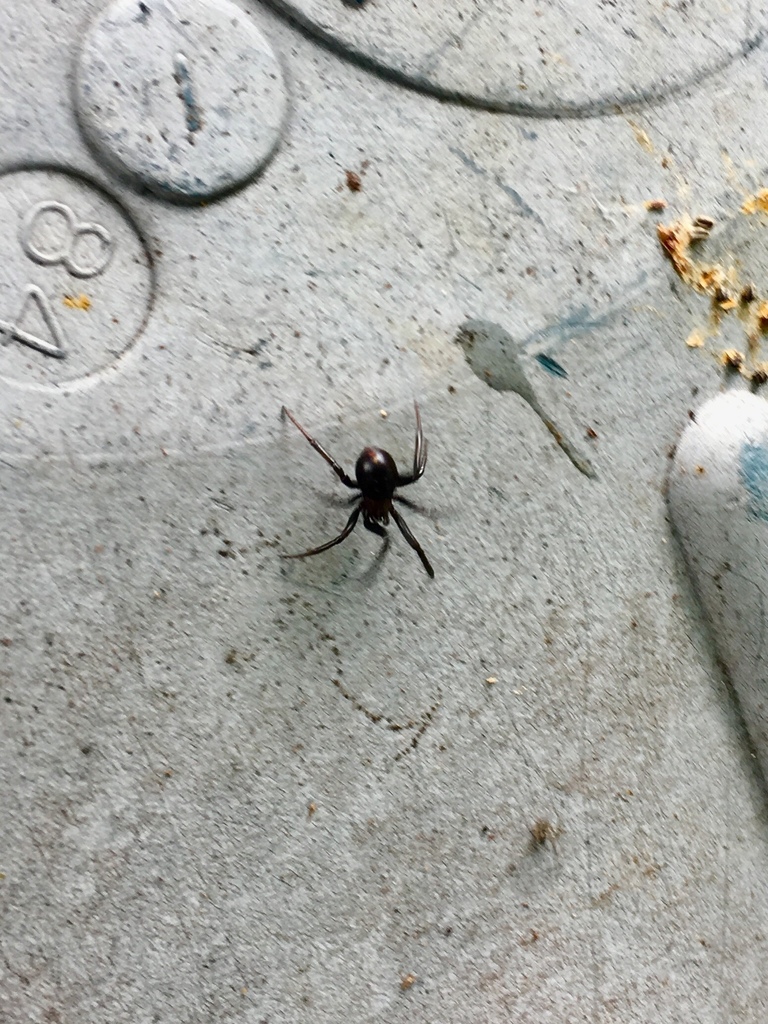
{"x":419,"y":454}
{"x":402,"y":526}
{"x":414,"y":506}
{"x":334,"y":499}
{"x":337,"y":469}
{"x":331,"y":543}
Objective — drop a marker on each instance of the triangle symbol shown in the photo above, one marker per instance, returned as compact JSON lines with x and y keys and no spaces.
{"x":37,"y":308}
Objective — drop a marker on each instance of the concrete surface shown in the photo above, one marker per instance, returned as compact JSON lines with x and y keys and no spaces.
{"x":242,"y":789}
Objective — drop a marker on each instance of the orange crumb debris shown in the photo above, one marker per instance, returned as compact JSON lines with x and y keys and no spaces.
{"x":757,"y":203}
{"x":695,"y":339}
{"x":732,"y":357}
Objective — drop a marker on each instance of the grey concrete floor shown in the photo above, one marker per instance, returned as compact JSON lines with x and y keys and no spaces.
{"x":237,"y":788}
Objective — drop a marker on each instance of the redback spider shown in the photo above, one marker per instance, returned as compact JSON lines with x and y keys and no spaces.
{"x":377,"y":479}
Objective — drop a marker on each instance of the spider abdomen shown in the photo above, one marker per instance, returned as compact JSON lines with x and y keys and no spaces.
{"x":376,"y":473}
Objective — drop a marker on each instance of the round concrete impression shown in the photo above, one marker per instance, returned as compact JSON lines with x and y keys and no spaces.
{"x":186,"y":98}
{"x":544,"y":56}
{"x":76,"y":280}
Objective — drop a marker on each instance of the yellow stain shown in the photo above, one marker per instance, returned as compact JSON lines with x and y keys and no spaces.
{"x":77,"y":302}
{"x":642,"y":137}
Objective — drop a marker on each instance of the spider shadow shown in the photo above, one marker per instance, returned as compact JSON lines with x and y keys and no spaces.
{"x":370,"y":575}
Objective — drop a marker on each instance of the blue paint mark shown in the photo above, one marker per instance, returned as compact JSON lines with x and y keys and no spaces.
{"x":467,"y":161}
{"x":520,"y":203}
{"x":753,"y":470}
{"x":551,"y":365}
{"x":518,"y":200}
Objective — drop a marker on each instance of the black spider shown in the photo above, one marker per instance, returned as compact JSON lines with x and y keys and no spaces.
{"x":377,"y":478}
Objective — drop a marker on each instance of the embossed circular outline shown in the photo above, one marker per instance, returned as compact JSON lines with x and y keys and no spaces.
{"x":89,"y":379}
{"x":599,"y":106}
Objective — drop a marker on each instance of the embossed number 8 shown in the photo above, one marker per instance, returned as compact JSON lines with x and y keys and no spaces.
{"x":63,"y":252}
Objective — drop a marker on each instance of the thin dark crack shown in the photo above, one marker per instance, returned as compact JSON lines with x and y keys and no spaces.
{"x":420,"y":724}
{"x":428,"y":717}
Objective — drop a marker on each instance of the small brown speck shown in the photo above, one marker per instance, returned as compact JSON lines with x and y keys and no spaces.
{"x":354,"y":181}
{"x":407,"y":981}
{"x":655,"y":205}
{"x":700,"y":470}
{"x":528,"y":940}
{"x":543,"y":831}
{"x":591,"y":433}
{"x":311,"y":808}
